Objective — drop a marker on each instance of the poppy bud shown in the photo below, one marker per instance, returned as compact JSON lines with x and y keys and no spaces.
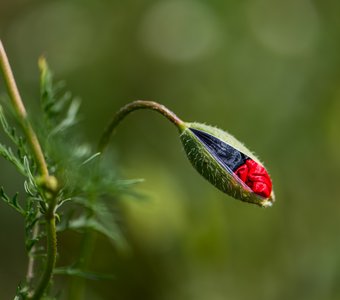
{"x":215,"y":154}
{"x":227,"y":164}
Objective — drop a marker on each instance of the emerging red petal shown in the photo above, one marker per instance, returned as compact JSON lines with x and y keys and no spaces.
{"x":256,"y":177}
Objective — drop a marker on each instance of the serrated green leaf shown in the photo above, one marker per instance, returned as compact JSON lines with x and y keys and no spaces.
{"x":15,"y":200}
{"x":30,"y":223}
{"x":7,"y":153}
{"x":28,"y":172}
{"x":85,"y":223}
{"x":19,"y":141}
{"x":22,"y":292}
{"x":12,"y":202}
{"x":60,"y":108}
{"x":28,"y":189}
{"x":91,"y":158}
{"x":10,"y":131}
{"x":129,"y":182}
{"x":71,"y":271}
{"x":70,"y":118}
{"x":62,"y":202}
{"x":29,"y":244}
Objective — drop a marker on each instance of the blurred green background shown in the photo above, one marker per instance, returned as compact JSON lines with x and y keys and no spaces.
{"x":268,"y":71}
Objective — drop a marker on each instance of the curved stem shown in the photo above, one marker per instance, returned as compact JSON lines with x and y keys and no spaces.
{"x":125,"y":110}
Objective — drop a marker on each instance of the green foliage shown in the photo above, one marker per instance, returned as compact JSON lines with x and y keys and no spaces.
{"x":59,"y":107}
{"x":11,"y":201}
{"x":72,"y":271}
{"x":18,"y":141}
{"x":86,"y":179}
{"x":88,"y":185}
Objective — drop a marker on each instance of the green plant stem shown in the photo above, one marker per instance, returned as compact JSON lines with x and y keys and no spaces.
{"x":49,"y":183}
{"x":21,"y":112}
{"x":78,"y":285}
{"x":125,"y":110}
{"x":51,"y":254}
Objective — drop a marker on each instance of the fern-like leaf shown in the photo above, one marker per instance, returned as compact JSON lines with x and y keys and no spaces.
{"x":12,"y":201}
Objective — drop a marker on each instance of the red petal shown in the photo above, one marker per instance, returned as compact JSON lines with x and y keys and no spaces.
{"x":256,"y":177}
{"x":242,"y":172}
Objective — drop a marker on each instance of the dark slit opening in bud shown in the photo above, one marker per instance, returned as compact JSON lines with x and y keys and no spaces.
{"x":228,"y":155}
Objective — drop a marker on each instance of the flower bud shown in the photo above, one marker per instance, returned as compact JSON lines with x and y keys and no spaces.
{"x":227,"y":164}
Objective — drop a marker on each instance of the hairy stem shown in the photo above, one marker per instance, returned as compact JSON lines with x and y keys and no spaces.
{"x":125,"y":110}
{"x":48,"y":183}
{"x":51,"y":254}
{"x":21,"y":112}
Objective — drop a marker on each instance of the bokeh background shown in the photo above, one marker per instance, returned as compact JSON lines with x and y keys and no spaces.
{"x":268,"y":71}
